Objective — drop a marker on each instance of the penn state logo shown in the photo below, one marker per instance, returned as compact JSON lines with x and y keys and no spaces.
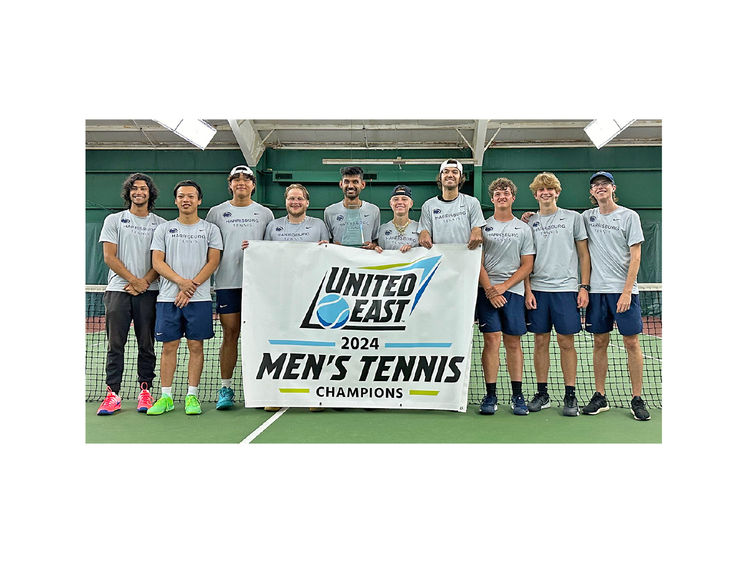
{"x":339,"y":218}
{"x":488,"y":229}
{"x":436,"y":211}
{"x":388,"y":232}
{"x":278,"y":229}
{"x":125,"y":220}
{"x":592,"y":218}
{"x":173,"y":230}
{"x":227,"y":214}
{"x":536,"y":224}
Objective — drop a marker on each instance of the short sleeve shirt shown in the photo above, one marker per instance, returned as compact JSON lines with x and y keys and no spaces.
{"x":334,"y":218}
{"x":236,"y":224}
{"x":132,"y":235}
{"x":504,"y":243}
{"x":310,"y":230}
{"x":451,"y":221}
{"x":391,"y":239}
{"x":556,"y":262}
{"x":186,"y":249}
{"x":610,"y":239}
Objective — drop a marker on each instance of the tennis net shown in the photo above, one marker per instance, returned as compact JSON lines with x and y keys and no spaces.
{"x":617,"y":387}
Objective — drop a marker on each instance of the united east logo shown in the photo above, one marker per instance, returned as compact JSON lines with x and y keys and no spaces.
{"x":370,"y":298}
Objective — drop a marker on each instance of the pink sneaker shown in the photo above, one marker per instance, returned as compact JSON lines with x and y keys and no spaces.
{"x":111,"y":404}
{"x":144,"y":400}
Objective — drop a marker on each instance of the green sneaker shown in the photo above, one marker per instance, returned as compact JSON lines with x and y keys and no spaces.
{"x":192,"y":405}
{"x":162,"y":405}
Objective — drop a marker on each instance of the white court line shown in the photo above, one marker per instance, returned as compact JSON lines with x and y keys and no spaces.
{"x":264,"y":426}
{"x":623,"y":348}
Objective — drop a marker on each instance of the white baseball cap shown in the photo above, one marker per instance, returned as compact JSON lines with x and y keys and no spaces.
{"x":241,"y":169}
{"x":451,"y":163}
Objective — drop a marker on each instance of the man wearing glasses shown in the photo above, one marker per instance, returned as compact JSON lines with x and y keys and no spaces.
{"x":615,"y":238}
{"x":240,"y":220}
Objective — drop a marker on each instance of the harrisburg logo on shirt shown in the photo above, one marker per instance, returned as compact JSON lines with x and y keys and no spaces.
{"x":370,"y":297}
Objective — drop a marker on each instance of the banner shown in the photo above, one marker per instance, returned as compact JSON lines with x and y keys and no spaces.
{"x":333,"y":326}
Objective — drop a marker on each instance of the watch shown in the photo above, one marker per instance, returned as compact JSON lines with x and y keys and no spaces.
{"x":584,"y":286}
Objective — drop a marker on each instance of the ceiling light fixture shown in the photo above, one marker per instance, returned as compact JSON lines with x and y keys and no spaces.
{"x":196,"y":131}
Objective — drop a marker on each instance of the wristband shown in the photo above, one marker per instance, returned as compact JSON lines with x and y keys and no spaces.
{"x":584,"y":286}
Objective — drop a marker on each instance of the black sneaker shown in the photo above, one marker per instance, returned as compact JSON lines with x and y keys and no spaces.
{"x":570,"y":405}
{"x":638,"y":408}
{"x":488,"y":405}
{"x":597,"y":404}
{"x":539,"y":401}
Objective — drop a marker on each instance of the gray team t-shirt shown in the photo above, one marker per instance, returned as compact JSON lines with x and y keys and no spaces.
{"x":451,"y":221}
{"x":556,"y":262}
{"x":391,"y":239}
{"x":503,"y":246}
{"x":236,"y":224}
{"x":132,"y":235}
{"x":186,"y":249}
{"x":610,"y":239}
{"x":310,"y":230}
{"x":334,"y":218}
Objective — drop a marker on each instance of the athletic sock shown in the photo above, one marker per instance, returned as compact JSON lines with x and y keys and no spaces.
{"x":515,"y":387}
{"x":542,"y":388}
{"x":166,"y":391}
{"x":226,"y":382}
{"x":570,"y":390}
{"x":192,"y":390}
{"x":490,"y":388}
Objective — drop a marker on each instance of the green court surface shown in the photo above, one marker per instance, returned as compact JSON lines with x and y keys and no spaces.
{"x":299,"y":426}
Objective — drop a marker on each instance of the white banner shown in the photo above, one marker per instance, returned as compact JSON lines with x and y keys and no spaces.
{"x":334,"y":326}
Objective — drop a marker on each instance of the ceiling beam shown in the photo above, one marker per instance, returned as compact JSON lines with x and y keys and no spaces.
{"x":249,"y":140}
{"x":478,"y":140}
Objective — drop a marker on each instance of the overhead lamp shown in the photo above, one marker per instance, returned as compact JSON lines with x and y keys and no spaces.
{"x":195,"y":131}
{"x":602,"y":131}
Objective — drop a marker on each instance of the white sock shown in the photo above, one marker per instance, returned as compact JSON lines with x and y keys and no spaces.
{"x":226,"y":382}
{"x":192,"y":390}
{"x":166,"y":391}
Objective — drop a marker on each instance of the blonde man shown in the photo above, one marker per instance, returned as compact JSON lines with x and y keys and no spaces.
{"x":297,"y":226}
{"x":553,"y":295}
{"x":401,"y":233}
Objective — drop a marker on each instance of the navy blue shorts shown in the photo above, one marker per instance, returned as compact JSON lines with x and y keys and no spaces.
{"x":228,"y":301}
{"x":555,"y":309}
{"x":602,"y":313}
{"x":508,"y":319}
{"x":195,"y":321}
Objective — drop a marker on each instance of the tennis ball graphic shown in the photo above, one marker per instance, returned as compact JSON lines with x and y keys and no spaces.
{"x":333,"y":311}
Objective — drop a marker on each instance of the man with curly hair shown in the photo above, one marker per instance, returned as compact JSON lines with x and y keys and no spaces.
{"x":131,"y":290}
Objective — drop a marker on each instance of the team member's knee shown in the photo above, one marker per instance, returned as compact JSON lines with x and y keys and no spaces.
{"x":631,"y":343}
{"x":565,"y":342}
{"x":601,"y":341}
